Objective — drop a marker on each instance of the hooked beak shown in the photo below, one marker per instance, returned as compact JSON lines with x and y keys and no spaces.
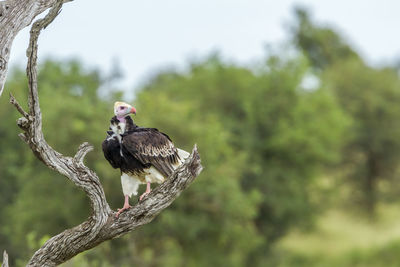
{"x":133,"y":110}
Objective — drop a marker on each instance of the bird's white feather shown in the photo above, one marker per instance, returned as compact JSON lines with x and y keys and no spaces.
{"x":154,"y":176}
{"x":130,"y":184}
{"x":118,"y":131}
{"x":183,"y":155}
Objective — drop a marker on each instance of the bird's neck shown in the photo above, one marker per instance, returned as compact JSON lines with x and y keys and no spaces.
{"x":129,"y":124}
{"x":121,"y":119}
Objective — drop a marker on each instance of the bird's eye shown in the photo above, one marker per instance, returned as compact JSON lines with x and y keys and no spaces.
{"x":121,"y":107}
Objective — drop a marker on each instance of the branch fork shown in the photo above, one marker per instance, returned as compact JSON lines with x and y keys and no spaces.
{"x":102,"y":225}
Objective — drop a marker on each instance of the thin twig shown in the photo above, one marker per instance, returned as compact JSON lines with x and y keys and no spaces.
{"x":31,"y":52}
{"x":14,"y":102}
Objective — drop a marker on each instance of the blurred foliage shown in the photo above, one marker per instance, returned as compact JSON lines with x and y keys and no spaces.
{"x":369,"y":96}
{"x":266,"y":121}
{"x":322,"y":45}
{"x":340,"y":238}
{"x":274,"y":151}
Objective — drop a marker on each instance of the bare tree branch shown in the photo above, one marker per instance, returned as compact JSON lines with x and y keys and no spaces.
{"x":18,"y":106}
{"x":102,"y":225}
{"x":89,"y":234}
{"x":82,"y":151}
{"x":14,"y":16}
{"x":5,"y":259}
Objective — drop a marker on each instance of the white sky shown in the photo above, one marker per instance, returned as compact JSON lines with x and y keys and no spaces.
{"x":150,"y":34}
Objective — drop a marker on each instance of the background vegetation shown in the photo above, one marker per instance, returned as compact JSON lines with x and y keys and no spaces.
{"x":301,"y":156}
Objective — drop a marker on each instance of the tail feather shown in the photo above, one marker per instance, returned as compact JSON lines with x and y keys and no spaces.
{"x":182,"y":155}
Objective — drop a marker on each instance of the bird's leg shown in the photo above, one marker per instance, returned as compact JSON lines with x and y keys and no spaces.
{"x":125,"y":207}
{"x":148,"y":190}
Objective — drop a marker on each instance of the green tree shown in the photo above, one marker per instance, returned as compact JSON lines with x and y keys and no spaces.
{"x":368,"y":95}
{"x":371,"y":97}
{"x":284,"y":134}
{"x":264,"y":140}
{"x":322,"y":45}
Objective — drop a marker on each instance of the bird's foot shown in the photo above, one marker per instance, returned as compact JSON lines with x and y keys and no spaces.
{"x":148,"y":190}
{"x":143,"y":195}
{"x":125,"y":207}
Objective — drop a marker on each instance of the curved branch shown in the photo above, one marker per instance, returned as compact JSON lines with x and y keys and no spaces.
{"x":102,"y":225}
{"x":14,"y":16}
{"x":73,"y":241}
{"x":82,"y":151}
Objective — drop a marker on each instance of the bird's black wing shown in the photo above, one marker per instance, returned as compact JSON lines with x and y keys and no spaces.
{"x":149,"y":145}
{"x":111,"y":150}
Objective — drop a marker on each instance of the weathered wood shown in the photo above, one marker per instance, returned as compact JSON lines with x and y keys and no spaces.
{"x":5,"y":259}
{"x":102,"y":224}
{"x":97,"y":229}
{"x":14,"y":16}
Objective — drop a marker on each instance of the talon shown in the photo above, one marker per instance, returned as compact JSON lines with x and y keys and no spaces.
{"x":148,"y":190}
{"x":125,"y":207}
{"x":143,"y":195}
{"x":119,"y":211}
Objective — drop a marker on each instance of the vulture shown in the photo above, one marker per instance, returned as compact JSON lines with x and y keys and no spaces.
{"x":144,"y":155}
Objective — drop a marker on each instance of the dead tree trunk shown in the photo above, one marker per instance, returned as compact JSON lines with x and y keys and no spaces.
{"x":102,"y":225}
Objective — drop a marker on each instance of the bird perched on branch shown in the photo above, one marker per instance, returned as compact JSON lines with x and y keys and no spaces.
{"x":144,"y":155}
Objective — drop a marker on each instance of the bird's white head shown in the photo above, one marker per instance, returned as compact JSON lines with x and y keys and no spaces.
{"x":121,"y":109}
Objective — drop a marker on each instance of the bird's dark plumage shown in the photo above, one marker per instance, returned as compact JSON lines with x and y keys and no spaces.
{"x":144,"y":155}
{"x":150,"y":146}
{"x":137,"y":148}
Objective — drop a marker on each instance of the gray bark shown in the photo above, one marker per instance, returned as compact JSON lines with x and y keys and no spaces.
{"x":5,"y":260}
{"x":14,"y":16}
{"x":102,"y":224}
